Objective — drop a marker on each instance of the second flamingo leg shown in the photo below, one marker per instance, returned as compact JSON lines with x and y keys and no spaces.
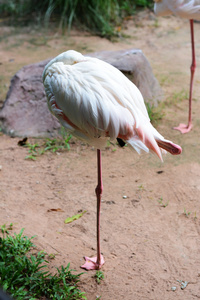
{"x":95,"y":263}
{"x":182,"y":127}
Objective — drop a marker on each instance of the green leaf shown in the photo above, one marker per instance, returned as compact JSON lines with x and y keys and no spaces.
{"x":27,"y":277}
{"x":75,"y":217}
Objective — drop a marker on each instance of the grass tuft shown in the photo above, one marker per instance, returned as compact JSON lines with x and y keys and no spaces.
{"x":100,"y":16}
{"x":155,"y":113}
{"x":99,"y":276}
{"x":53,"y":145}
{"x":176,"y":98}
{"x":25,"y":276}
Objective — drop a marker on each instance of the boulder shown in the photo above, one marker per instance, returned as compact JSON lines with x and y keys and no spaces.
{"x":25,"y":111}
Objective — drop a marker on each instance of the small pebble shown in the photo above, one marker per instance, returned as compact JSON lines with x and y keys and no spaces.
{"x":0,"y":167}
{"x":173,"y":288}
{"x":124,"y":197}
{"x":183,"y":285}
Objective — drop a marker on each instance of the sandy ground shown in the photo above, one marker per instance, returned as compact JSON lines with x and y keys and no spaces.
{"x":149,"y":239}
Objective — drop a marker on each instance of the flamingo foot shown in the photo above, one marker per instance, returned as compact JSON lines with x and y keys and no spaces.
{"x":183,"y":128}
{"x":91,"y":263}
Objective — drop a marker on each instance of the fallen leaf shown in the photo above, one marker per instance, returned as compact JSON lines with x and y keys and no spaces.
{"x":75,"y":217}
{"x":55,"y":209}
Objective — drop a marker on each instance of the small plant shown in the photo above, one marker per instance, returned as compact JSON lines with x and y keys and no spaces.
{"x":57,"y":144}
{"x":99,"y":276}
{"x":111,"y":145}
{"x":32,"y":150}
{"x":52,"y":145}
{"x":186,"y":213}
{"x":66,"y":141}
{"x":160,"y":201}
{"x":51,"y":256}
{"x":141,"y":187}
{"x":5,"y":229}
{"x":24,"y":273}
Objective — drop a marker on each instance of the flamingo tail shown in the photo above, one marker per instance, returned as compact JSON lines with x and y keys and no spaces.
{"x":148,"y":138}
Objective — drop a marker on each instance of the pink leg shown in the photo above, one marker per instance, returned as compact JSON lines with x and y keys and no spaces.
{"x":182,"y":127}
{"x":95,"y":263}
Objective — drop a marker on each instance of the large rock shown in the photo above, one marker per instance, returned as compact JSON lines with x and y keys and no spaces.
{"x":25,"y":111}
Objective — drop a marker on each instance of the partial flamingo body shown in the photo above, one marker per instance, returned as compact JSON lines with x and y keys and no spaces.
{"x":95,"y":101}
{"x":189,"y":9}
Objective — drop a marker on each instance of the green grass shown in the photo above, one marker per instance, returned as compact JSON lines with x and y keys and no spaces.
{"x":53,"y":145}
{"x":24,"y":272}
{"x":155,"y":113}
{"x":98,"y":16}
{"x":162,"y":204}
{"x":177,"y":97}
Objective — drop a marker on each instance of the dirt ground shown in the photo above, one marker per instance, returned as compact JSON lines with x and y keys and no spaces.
{"x":150,"y":239}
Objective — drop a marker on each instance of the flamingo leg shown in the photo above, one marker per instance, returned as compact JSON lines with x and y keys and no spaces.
{"x":95,"y":263}
{"x":182,"y":127}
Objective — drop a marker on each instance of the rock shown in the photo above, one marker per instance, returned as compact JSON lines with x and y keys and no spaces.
{"x":25,"y":111}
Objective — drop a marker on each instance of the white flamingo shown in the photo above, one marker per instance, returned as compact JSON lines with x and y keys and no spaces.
{"x":95,"y":101}
{"x":189,"y":9}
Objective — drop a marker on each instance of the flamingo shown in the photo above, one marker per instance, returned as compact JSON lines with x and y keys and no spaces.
{"x":189,"y":9}
{"x":95,"y":101}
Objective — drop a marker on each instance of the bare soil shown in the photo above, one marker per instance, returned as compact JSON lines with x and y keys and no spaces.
{"x":150,"y":238}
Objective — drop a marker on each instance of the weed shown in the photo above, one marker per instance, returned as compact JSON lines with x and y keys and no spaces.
{"x":111,"y":145}
{"x":160,"y":201}
{"x":25,"y":276}
{"x":176,"y":97}
{"x":32,"y":150}
{"x":32,"y":147}
{"x":52,"y":145}
{"x":186,"y":213}
{"x":5,"y":229}
{"x":141,"y":187}
{"x":155,"y":113}
{"x":99,"y":276}
{"x":51,"y":256}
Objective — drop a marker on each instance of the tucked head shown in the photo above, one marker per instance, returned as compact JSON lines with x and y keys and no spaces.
{"x":69,"y":57}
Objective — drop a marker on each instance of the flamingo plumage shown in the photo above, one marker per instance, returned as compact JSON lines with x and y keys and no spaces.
{"x":95,"y":101}
{"x":188,"y":9}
